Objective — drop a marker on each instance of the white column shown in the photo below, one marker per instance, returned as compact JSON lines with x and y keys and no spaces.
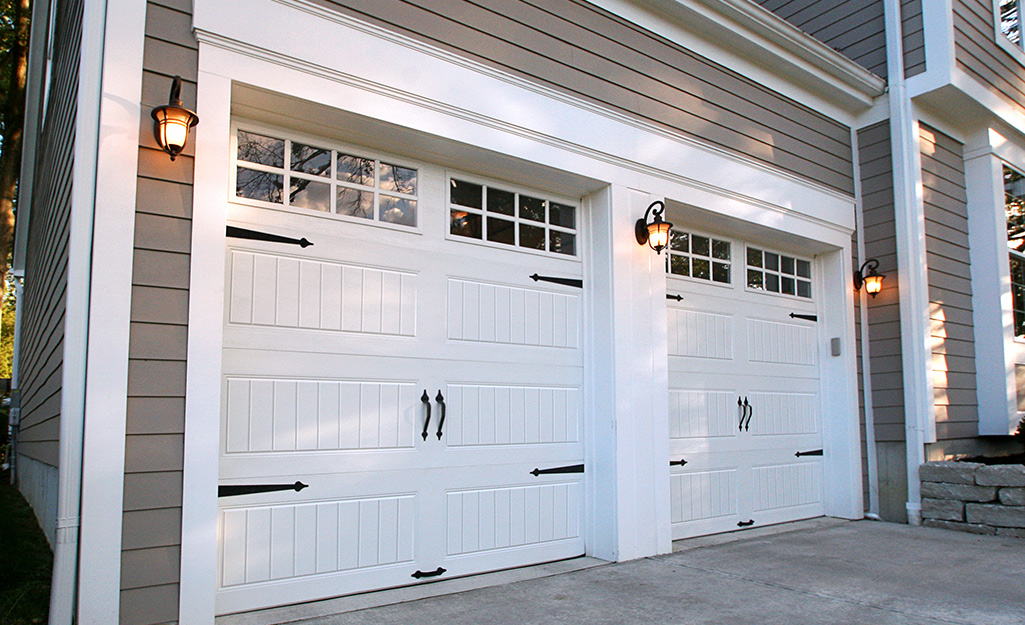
{"x":628,"y":445}
{"x":203,"y":379}
{"x":992,"y":310}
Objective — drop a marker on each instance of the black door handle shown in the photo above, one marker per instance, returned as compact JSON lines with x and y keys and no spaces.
{"x":750,"y":413}
{"x":743,"y":413}
{"x":433,"y":573}
{"x":747,"y":523}
{"x":425,"y":398}
{"x":679,"y":462}
{"x":441,"y":421}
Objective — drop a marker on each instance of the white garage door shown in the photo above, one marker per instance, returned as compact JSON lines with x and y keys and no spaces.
{"x":405,"y":370}
{"x":744,"y":405}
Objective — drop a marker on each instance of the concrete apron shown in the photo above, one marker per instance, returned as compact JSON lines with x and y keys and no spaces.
{"x":811,"y":572}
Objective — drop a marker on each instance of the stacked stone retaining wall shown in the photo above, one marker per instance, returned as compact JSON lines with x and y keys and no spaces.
{"x":973,"y":497}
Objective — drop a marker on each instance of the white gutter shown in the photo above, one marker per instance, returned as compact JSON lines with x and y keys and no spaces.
{"x":743,"y":27}
{"x":76,"y":317}
{"x":866,"y":368}
{"x":911,"y":261}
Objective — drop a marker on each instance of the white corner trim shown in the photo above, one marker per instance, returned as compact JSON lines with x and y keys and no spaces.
{"x":75,"y":366}
{"x":198,"y":583}
{"x":106,"y":376}
{"x":871,"y":453}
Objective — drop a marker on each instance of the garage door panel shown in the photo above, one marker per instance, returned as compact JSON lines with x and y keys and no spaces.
{"x":287,"y":415}
{"x":786,"y":485}
{"x":698,"y":413}
{"x":775,"y":342}
{"x":512,"y":415}
{"x":775,"y":413}
{"x":698,"y":334}
{"x":497,"y":313}
{"x":703,"y":495}
{"x":285,"y":292}
{"x":512,"y":517}
{"x":286,"y":541}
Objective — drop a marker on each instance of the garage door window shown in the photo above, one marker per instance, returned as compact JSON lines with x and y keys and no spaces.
{"x":698,"y":256}
{"x":778,"y":273}
{"x":496,"y":215}
{"x":323,"y":179}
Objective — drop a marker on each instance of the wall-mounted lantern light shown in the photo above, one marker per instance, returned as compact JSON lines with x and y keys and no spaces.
{"x":868,"y":276}
{"x":656,"y":232}
{"x":173,"y":121}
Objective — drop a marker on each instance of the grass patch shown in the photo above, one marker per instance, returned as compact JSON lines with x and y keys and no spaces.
{"x":25,"y":561}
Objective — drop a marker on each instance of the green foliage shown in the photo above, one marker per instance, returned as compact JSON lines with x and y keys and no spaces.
{"x":7,"y":328}
{"x":25,"y":561}
{"x":8,"y":32}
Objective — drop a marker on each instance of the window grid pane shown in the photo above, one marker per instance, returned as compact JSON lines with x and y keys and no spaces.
{"x":1018,"y":293}
{"x":778,"y":273}
{"x":479,"y":211}
{"x":1010,"y":20}
{"x":698,"y":256}
{"x":324,"y":180}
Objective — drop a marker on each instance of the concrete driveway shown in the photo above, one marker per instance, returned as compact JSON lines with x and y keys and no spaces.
{"x":813,"y":572}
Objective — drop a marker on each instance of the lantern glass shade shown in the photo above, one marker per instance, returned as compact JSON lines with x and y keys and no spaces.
{"x":658,"y":234}
{"x":172,"y":128}
{"x":873,"y":284}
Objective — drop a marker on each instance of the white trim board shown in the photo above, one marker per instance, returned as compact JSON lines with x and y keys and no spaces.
{"x":113,"y":240}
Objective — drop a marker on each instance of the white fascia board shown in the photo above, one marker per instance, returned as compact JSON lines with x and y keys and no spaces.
{"x":1001,"y":108}
{"x":753,"y":41}
{"x":106,"y":375}
{"x":455,"y":98}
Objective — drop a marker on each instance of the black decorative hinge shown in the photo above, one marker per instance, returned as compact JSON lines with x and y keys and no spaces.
{"x":747,"y":523}
{"x":814,"y":452}
{"x":433,"y":573}
{"x":805,"y":317}
{"x":573,"y":468}
{"x":678,"y":298}
{"x":234,"y":490}
{"x":577,"y":282}
{"x":679,"y":462}
{"x":256,"y":235}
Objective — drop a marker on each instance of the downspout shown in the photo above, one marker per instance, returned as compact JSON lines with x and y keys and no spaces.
{"x":63,"y":597}
{"x":866,"y":367}
{"x":911,"y":268}
{"x":15,"y":409}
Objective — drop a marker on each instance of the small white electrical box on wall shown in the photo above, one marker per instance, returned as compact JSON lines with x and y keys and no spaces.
{"x":834,"y":346}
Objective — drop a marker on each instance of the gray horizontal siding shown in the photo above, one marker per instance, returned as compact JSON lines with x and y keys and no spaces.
{"x":978,"y":54}
{"x":950,"y":289}
{"x":578,"y":48}
{"x":41,"y":355}
{"x":879,"y":230}
{"x":154,"y":445}
{"x":913,"y":29}
{"x":856,"y":28}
